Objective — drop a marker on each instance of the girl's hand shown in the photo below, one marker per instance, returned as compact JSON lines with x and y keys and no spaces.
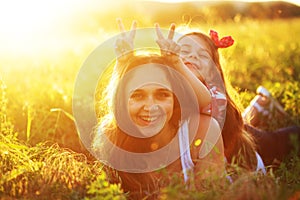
{"x":125,"y":44}
{"x":171,"y":50}
{"x":167,"y":45}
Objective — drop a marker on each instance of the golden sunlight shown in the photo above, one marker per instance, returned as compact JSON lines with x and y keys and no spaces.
{"x":24,"y":18}
{"x":28,"y":26}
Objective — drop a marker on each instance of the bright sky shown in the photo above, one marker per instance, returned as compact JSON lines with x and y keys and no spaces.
{"x":26,"y":26}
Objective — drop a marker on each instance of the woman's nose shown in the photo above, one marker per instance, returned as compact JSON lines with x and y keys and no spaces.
{"x":149,"y":103}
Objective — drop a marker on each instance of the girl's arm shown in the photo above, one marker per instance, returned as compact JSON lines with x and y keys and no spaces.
{"x":201,"y":91}
{"x":171,"y":50}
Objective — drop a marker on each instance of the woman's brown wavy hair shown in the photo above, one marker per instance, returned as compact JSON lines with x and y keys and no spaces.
{"x":139,"y":184}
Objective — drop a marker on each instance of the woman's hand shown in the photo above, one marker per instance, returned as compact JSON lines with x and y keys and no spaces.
{"x":125,"y":44}
{"x":168,"y":46}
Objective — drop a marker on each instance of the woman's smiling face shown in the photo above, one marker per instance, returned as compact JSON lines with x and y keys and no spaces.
{"x":150,"y":99}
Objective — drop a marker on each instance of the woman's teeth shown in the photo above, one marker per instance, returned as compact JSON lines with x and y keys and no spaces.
{"x":149,"y":119}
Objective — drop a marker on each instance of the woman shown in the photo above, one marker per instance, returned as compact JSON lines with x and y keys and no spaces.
{"x":154,"y":131}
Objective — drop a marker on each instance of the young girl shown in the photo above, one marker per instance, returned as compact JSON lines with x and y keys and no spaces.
{"x":154,"y":130}
{"x":199,"y":52}
{"x":271,"y":145}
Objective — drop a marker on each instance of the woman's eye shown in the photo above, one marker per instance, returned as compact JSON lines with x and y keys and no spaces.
{"x":137,"y":96}
{"x":163,"y":95}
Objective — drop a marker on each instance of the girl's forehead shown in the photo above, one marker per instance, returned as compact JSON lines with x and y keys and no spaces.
{"x":192,"y":40}
{"x":146,"y":74}
{"x":195,"y":42}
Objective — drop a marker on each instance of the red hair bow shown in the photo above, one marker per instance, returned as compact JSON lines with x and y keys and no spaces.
{"x":223,"y":42}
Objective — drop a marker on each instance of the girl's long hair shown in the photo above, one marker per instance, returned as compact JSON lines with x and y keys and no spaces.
{"x":239,"y":145}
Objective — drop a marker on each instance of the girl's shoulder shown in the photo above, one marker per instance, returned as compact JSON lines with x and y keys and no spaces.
{"x":207,"y":138}
{"x":204,"y":125}
{"x":203,"y":120}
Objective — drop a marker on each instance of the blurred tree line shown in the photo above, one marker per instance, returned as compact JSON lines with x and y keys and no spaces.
{"x":198,"y":12}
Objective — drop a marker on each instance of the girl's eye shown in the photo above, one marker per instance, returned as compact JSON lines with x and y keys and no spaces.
{"x":203,"y":56}
{"x":184,"y":52}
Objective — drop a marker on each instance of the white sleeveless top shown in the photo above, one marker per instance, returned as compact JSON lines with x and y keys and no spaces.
{"x":184,"y":146}
{"x":185,"y":154}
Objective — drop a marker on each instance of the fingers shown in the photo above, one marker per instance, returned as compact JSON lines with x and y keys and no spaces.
{"x":122,"y":45}
{"x":168,"y":46}
{"x":177,"y":49}
{"x":123,"y":30}
{"x":163,"y":44}
{"x":121,"y":26}
{"x":170,"y":34}
{"x":133,"y":30}
{"x":159,"y":34}
{"x":171,"y":31}
{"x":173,"y":47}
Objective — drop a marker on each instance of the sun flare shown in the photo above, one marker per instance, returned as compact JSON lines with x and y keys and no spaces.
{"x":27,"y":25}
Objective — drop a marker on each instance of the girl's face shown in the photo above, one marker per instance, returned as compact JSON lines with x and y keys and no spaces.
{"x":150,"y":99}
{"x":195,"y":55}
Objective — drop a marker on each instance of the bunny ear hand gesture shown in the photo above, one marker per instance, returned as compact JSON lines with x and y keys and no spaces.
{"x":125,"y":43}
{"x":167,"y":45}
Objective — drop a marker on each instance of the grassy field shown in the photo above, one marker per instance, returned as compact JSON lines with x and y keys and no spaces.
{"x":41,"y":156}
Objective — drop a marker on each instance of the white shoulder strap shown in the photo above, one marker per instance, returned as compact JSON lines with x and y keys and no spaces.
{"x":260,"y":164}
{"x":184,"y":146}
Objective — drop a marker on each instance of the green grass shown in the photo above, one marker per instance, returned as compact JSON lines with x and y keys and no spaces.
{"x":41,"y":155}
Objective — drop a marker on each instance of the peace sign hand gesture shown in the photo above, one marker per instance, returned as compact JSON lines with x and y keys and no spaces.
{"x":125,"y":44}
{"x":167,"y":45}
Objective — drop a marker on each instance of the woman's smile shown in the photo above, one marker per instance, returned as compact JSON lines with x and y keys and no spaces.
{"x":149,"y":119}
{"x":150,"y":104}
